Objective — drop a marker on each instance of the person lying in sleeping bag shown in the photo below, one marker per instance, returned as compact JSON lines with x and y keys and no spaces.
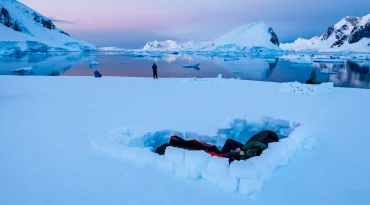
{"x":232,"y":149}
{"x":253,"y":147}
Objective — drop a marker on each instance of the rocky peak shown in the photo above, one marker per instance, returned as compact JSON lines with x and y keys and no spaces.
{"x":7,"y":20}
{"x":361,"y":30}
{"x":274,"y":39}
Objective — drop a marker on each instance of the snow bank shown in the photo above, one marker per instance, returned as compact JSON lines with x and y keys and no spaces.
{"x":206,"y":81}
{"x":299,"y":88}
{"x":245,"y":177}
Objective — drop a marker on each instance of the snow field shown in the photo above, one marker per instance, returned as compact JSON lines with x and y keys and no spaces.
{"x":244,"y":177}
{"x":299,"y":88}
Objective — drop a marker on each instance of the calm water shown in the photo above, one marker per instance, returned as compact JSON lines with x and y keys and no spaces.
{"x":347,"y":74}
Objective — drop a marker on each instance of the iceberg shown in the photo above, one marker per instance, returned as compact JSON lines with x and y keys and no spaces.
{"x":191,"y":66}
{"x":24,"y":70}
{"x":94,"y":62}
{"x":231,"y":59}
{"x":327,"y":71}
{"x":111,"y":49}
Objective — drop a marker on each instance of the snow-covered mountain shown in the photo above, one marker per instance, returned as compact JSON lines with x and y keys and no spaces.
{"x":162,"y":45}
{"x":23,"y":29}
{"x":350,"y":33}
{"x":111,"y":49}
{"x":172,"y":45}
{"x":253,"y":35}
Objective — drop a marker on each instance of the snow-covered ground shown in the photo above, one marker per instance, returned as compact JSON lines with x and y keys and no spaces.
{"x":48,"y":124}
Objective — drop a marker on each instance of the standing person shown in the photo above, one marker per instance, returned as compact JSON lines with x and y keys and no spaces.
{"x":155,"y":74}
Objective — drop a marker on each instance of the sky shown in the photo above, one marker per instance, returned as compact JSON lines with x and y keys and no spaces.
{"x":132,"y":23}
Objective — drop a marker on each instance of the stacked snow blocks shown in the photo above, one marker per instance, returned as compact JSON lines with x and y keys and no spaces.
{"x":245,"y":177}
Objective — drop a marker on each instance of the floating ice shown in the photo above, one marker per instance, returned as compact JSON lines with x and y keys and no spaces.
{"x":28,"y":69}
{"x":231,"y":59}
{"x":327,"y":71}
{"x":94,"y":62}
{"x":191,"y":66}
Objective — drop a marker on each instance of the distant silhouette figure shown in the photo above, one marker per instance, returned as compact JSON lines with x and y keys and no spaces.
{"x":155,"y":74}
{"x":97,"y":74}
{"x":312,"y":79}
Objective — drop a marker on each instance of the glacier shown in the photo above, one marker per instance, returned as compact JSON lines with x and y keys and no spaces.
{"x":24,"y":30}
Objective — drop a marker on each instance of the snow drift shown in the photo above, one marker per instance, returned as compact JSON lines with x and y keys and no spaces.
{"x":245,"y":177}
{"x":25,"y":30}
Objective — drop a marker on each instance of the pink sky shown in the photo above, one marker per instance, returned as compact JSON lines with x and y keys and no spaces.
{"x":121,"y":22}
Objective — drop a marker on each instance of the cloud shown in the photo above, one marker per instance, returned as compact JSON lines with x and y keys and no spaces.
{"x":61,"y":21}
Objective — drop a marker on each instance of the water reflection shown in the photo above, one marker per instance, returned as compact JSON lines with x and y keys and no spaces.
{"x":249,"y":68}
{"x":352,"y":74}
{"x":42,"y":64}
{"x":348,"y":73}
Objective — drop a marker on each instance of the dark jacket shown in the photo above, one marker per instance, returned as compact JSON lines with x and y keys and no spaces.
{"x":257,"y":143}
{"x":97,"y":74}
{"x":154,"y":67}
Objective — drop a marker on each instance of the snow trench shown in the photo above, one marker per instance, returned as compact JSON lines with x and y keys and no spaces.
{"x":245,"y":177}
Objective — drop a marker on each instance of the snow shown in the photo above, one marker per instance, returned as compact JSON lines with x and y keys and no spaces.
{"x":195,"y":164}
{"x":111,"y":49}
{"x":165,"y":45}
{"x":327,"y":71}
{"x":253,"y":38}
{"x":364,"y":20}
{"x":245,"y":37}
{"x":319,"y":44}
{"x":173,"y":46}
{"x":298,"y":88}
{"x":56,"y":147}
{"x":24,"y":69}
{"x":35,"y":37}
{"x":94,"y":62}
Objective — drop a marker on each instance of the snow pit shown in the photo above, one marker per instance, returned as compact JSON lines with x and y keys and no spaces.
{"x":137,"y":145}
